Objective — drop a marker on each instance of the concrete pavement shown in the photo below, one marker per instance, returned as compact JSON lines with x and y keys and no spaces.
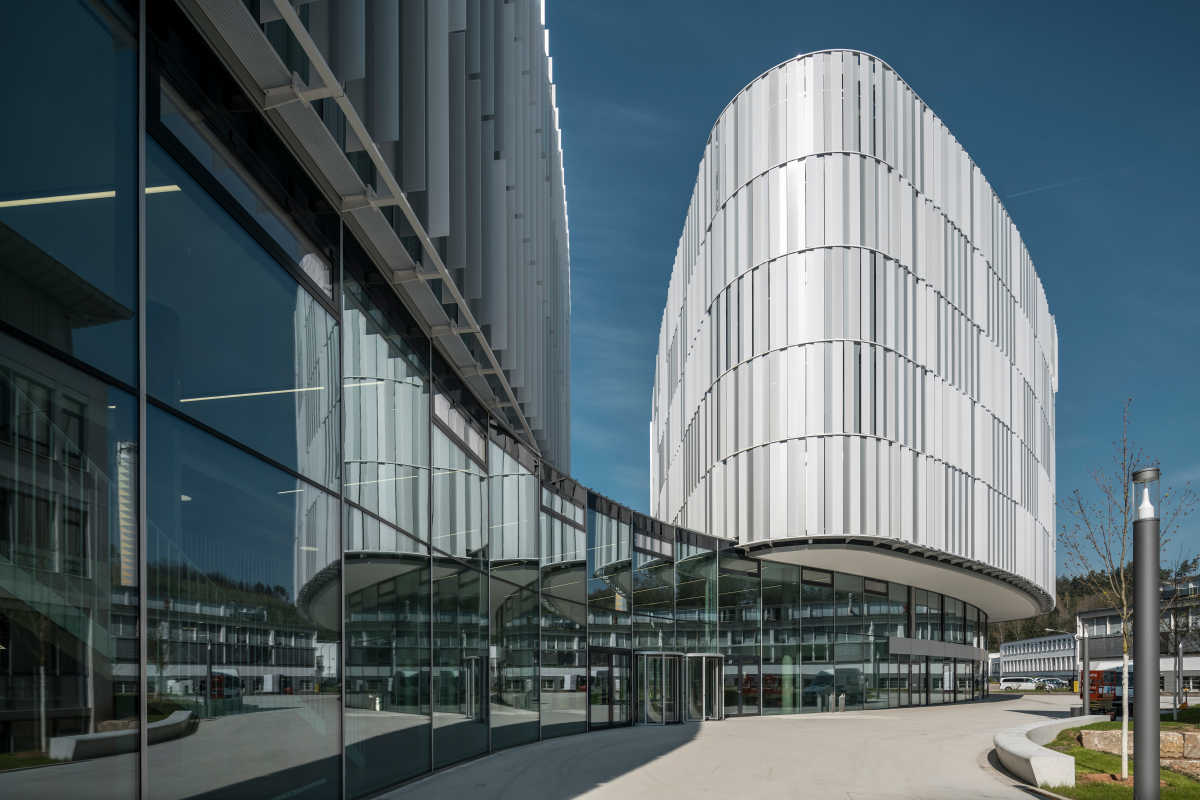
{"x":934,"y":753}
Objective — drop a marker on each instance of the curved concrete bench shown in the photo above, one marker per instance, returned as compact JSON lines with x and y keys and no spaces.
{"x":1020,"y":750}
{"x":112,"y":743}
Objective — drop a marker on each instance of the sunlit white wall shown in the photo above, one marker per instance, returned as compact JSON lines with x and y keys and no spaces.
{"x":855,"y":340}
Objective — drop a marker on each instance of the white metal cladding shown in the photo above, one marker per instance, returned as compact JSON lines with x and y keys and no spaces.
{"x":458,"y":100}
{"x":855,"y":341}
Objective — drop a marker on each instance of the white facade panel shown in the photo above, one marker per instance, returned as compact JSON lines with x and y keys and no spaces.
{"x":855,"y":332}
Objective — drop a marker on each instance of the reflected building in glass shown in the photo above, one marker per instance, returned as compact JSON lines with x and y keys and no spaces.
{"x":284,"y":453}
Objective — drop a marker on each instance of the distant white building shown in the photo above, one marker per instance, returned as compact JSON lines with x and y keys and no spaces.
{"x":994,"y":666}
{"x":1053,"y":656}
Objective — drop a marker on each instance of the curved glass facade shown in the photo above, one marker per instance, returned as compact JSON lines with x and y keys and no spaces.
{"x":260,"y":536}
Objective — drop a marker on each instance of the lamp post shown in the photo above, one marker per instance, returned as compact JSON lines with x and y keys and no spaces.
{"x":1146,"y":585}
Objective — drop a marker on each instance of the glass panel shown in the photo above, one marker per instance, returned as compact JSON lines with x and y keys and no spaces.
{"x":902,"y":681}
{"x":750,"y":688}
{"x":514,"y":690}
{"x":732,"y":685}
{"x":514,"y":511}
{"x":653,"y":601}
{"x":651,"y":683}
{"x":233,"y":339}
{"x":245,"y":608}
{"x":68,"y":190}
{"x":608,"y":568}
{"x":695,"y":599}
{"x":850,"y":648}
{"x":185,"y":122}
{"x":563,"y":677}
{"x":672,"y":706}
{"x":934,"y":616}
{"x":898,"y":610}
{"x":459,"y":502}
{"x":460,"y":655}
{"x":600,"y":690}
{"x":936,"y":681}
{"x":738,"y":600}
{"x":695,"y":688}
{"x":875,"y":673}
{"x":387,"y":417}
{"x":781,"y":638}
{"x":622,"y":688}
{"x":817,"y":647}
{"x":387,"y":650}
{"x":68,"y":577}
{"x":921,"y":603}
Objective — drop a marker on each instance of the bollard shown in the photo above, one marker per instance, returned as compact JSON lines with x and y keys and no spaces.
{"x":842,"y":703}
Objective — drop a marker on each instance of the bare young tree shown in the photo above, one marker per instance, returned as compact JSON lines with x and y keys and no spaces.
{"x":1099,"y":542}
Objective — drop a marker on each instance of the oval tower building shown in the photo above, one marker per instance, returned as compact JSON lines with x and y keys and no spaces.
{"x":857,"y":363}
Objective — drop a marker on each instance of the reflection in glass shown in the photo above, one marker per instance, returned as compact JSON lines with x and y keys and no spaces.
{"x":234,"y":341}
{"x":460,"y":652}
{"x":68,"y":190}
{"x":186,"y":124}
{"x":695,"y":599}
{"x":387,"y":417}
{"x":609,"y":566}
{"x":738,"y":600}
{"x":459,"y":502}
{"x":653,"y":602}
{"x":563,"y":677}
{"x":68,"y":578}
{"x":934,"y":616}
{"x":244,"y":602}
{"x":514,"y":684}
{"x":387,"y":649}
{"x":817,"y":647}
{"x":781,"y":638}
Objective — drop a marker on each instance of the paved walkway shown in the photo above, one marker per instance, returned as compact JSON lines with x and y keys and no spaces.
{"x":938,"y":753}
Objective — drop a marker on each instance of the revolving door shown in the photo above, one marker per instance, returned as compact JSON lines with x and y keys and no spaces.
{"x":703,"y":686}
{"x":659,"y":679}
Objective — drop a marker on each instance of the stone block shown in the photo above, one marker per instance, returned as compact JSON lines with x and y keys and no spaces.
{"x":1105,"y":741}
{"x":1170,"y":744}
{"x":1191,"y":745}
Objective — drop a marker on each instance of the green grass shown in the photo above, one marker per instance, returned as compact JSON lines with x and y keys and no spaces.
{"x":1089,"y":761}
{"x":25,"y":758}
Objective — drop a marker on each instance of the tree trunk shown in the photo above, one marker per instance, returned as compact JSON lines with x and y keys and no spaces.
{"x":1125,"y":715}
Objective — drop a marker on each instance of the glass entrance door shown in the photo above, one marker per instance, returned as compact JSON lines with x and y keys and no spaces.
{"x":703,"y":686}
{"x":608,"y":688}
{"x":659,"y":681}
{"x":741,"y":686}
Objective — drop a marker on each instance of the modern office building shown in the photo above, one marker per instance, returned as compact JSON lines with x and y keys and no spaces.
{"x":284,"y":428}
{"x":1053,"y":656}
{"x":857,"y":365}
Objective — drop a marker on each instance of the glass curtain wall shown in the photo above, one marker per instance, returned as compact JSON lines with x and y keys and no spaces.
{"x":653,"y":591}
{"x":695,"y":596}
{"x":849,"y":649}
{"x":609,"y":586}
{"x":875,"y":643}
{"x":817,"y":640}
{"x":513,"y":546}
{"x":781,"y":635}
{"x":69,"y":564}
{"x":244,"y":600}
{"x":564,"y":577}
{"x":460,"y":588}
{"x":387,"y":711}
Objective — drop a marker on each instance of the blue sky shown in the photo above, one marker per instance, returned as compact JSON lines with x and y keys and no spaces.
{"x":1102,"y":99}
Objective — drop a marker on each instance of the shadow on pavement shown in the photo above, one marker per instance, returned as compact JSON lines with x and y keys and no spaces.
{"x":554,"y":769}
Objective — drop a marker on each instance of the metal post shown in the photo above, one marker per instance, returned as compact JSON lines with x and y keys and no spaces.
{"x":1146,"y":585}
{"x":1086,"y":660}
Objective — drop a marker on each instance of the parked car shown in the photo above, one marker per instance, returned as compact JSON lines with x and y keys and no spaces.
{"x":1015,"y":684}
